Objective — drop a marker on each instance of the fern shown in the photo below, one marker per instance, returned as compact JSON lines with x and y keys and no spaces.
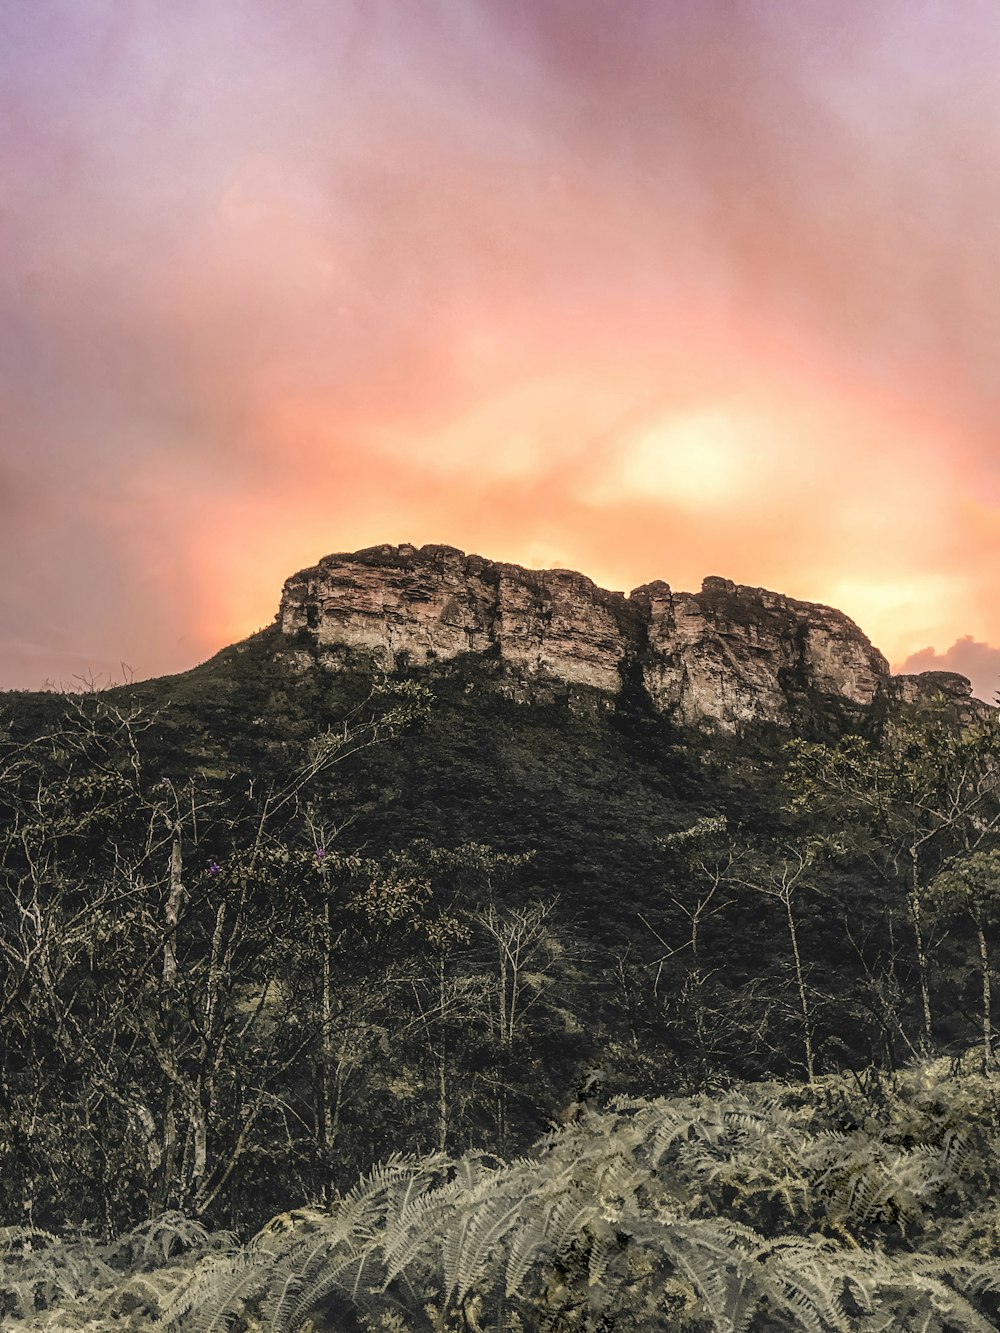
{"x":486,"y":1229}
{"x":223,"y":1289}
{"x":764,"y":1208}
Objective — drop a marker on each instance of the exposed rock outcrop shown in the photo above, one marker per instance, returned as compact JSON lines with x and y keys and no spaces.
{"x":436,"y":603}
{"x":956,"y":689}
{"x":733,"y":656}
{"x":724,"y":658}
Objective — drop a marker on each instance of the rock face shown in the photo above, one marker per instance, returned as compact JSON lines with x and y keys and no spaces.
{"x":732,"y":656}
{"x":436,"y":603}
{"x":956,"y":689}
{"x":725,"y":658}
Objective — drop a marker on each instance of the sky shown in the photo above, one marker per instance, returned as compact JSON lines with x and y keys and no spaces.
{"x":643,"y":288}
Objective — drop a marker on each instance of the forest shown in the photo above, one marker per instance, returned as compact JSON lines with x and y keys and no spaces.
{"x":379,"y":1008}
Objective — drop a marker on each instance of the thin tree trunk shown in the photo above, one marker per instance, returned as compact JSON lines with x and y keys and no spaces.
{"x":697,"y":983}
{"x":171,"y":916}
{"x":175,"y":896}
{"x":199,"y":1146}
{"x":987,"y":999}
{"x":338,"y":1089}
{"x":803,"y":998}
{"x":168,"y":1154}
{"x":215,"y":967}
{"x":925,"y":996}
{"x":442,"y":1064}
{"x":502,"y":997}
{"x":326,"y":1007}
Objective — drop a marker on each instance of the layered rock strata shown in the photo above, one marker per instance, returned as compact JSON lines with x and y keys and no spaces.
{"x":724,"y":658}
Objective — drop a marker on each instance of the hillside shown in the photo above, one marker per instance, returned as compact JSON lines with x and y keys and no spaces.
{"x":564,"y":720}
{"x":397,"y":871}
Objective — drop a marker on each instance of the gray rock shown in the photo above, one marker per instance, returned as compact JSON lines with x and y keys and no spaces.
{"x":721,"y":659}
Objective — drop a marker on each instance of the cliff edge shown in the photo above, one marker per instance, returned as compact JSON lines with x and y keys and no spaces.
{"x":721,"y":659}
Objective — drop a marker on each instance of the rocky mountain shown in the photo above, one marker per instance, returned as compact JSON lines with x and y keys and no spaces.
{"x":722,"y":659}
{"x":564,"y":720}
{"x":595,"y":784}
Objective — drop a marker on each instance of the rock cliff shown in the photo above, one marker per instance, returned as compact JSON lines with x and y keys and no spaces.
{"x":724,"y":658}
{"x":956,"y":689}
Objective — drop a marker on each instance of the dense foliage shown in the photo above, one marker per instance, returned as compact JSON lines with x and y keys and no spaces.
{"x":261,"y":931}
{"x":846,"y":1204}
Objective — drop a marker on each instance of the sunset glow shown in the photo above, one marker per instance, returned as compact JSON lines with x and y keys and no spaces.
{"x":686,"y":289}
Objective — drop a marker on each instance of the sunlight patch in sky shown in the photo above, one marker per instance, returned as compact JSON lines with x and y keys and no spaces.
{"x":710,"y":459}
{"x":929,"y":600}
{"x":709,"y":289}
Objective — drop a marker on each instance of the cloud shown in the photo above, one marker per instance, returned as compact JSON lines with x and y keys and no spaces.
{"x":978,"y":661}
{"x":703,"y":290}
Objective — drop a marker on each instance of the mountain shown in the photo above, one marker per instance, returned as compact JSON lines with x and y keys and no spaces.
{"x":577,"y":723}
{"x":723,"y":659}
{"x":446,"y":843}
{"x":574,"y":723}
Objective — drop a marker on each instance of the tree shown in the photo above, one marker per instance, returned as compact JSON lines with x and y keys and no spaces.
{"x":783,"y":879}
{"x":968,"y":887}
{"x":707,"y":1016}
{"x":526,"y":951}
{"x":925,"y":790}
{"x":149,"y":926}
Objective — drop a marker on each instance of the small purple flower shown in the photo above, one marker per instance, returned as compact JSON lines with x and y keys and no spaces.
{"x":320,"y":853}
{"x":213,"y":868}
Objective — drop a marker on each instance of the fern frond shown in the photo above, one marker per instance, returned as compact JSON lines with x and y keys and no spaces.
{"x":409,"y":1230}
{"x":607,"y":1245}
{"x":526,"y":1245}
{"x":220,"y":1289}
{"x":25,"y":1239}
{"x":487,"y":1227}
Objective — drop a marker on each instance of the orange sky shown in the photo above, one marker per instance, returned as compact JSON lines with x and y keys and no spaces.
{"x":651,"y":289}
